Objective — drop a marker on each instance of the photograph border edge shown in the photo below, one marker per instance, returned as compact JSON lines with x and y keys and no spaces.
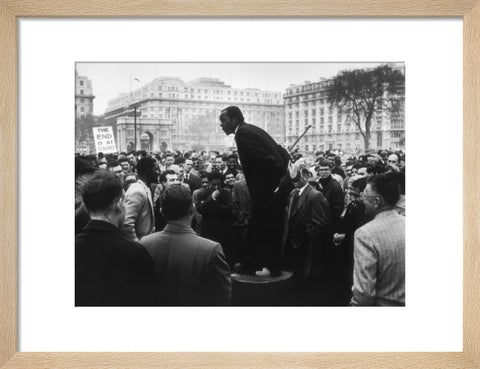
{"x":10,"y":11}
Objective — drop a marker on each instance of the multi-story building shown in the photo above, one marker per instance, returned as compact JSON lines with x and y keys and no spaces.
{"x":83,"y":96}
{"x":181,"y":114}
{"x":83,"y":115}
{"x":306,"y":104}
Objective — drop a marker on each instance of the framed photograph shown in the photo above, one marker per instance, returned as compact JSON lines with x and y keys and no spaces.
{"x":44,"y":268}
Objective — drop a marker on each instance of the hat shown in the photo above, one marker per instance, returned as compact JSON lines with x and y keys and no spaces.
{"x":82,"y":166}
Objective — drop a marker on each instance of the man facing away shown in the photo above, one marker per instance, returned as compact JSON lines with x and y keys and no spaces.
{"x":139,"y":216}
{"x":379,"y":248}
{"x":109,"y":269}
{"x":190,"y":270}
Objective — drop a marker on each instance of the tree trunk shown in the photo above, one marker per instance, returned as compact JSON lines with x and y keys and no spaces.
{"x":366,"y":141}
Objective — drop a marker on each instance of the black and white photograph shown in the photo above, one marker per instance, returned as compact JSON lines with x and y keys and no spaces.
{"x":240,"y":184}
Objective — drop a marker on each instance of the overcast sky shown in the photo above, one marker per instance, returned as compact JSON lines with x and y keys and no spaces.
{"x":111,"y":79}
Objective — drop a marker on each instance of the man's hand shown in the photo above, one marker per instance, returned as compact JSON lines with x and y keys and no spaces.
{"x":338,"y":238}
{"x":215,"y":195}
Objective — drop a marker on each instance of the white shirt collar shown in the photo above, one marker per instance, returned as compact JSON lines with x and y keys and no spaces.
{"x":300,"y":191}
{"x":236,"y":129}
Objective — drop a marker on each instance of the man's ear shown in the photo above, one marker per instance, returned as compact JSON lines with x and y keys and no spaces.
{"x":119,"y":204}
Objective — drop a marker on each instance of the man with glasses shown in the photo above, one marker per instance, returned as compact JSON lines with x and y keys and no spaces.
{"x":331,"y":189}
{"x":379,"y":248}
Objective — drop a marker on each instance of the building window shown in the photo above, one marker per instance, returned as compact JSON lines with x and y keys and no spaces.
{"x":81,"y":92}
{"x":81,"y":83}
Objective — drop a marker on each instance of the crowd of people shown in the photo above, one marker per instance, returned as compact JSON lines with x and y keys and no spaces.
{"x":170,"y":228}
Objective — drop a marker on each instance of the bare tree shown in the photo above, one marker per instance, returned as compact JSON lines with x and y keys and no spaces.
{"x":360,"y":93}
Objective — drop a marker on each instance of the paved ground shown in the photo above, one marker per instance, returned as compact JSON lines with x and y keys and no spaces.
{"x":282,"y":291}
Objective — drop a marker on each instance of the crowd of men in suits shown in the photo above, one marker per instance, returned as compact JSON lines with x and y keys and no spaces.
{"x":170,"y":228}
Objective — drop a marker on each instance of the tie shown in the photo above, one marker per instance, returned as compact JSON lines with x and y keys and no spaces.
{"x":295,"y":201}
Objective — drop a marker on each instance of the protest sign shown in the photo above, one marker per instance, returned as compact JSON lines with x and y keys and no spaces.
{"x":104,"y":140}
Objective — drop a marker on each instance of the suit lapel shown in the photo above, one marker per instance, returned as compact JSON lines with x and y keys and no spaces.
{"x":149,"y":194}
{"x":302,"y":198}
{"x":290,"y":203}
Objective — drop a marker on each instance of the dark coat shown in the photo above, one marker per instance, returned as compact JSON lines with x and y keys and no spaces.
{"x":194,"y":181}
{"x":307,"y":228}
{"x":111,"y":270}
{"x":264,"y":162}
{"x":217,"y":219}
{"x":309,"y":221}
{"x":332,"y":191}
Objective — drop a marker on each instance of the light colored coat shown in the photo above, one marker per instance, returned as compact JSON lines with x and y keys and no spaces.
{"x":190,"y":270}
{"x":379,"y":267}
{"x":139,"y":219}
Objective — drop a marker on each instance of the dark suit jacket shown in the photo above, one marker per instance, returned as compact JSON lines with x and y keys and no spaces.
{"x":217,"y":220}
{"x":332,"y":190}
{"x":309,"y":221}
{"x":308,"y":226}
{"x":191,"y":270}
{"x":264,"y":162}
{"x":194,"y":181}
{"x":111,"y":270}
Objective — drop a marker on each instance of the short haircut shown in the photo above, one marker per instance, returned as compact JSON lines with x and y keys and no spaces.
{"x":356,"y":165}
{"x":163,"y":176}
{"x":176,"y":202}
{"x":387,"y":187}
{"x":399,"y":179}
{"x":360,"y":183}
{"x":112,"y":164}
{"x":234,"y":112}
{"x":142,"y":153}
{"x":232,"y":156}
{"x":322,"y":162}
{"x":123,"y":159}
{"x":204,"y":175}
{"x":144,"y":165}
{"x":305,"y":172}
{"x":101,"y":191}
{"x":214,"y":175}
{"x":179,"y":161}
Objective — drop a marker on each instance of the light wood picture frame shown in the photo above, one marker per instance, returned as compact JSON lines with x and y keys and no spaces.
{"x":11,"y":10}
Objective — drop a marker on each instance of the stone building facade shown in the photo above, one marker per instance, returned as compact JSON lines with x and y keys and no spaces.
{"x":83,"y":96}
{"x":186,"y":113}
{"x":306,"y":104}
